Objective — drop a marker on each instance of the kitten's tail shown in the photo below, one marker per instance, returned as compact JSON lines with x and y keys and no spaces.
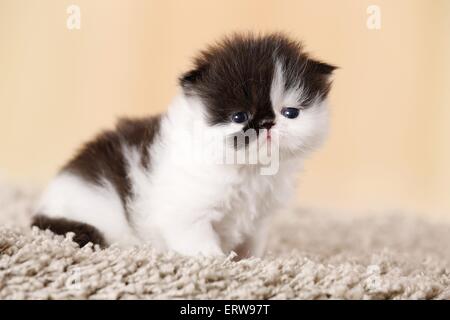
{"x":84,"y":233}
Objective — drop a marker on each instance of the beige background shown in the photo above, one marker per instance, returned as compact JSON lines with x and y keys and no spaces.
{"x":390,"y":142}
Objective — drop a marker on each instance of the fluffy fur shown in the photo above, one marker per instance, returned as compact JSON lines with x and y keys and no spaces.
{"x":140,"y":183}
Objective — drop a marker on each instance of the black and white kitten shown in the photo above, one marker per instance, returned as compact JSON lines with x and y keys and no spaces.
{"x":138,"y":184}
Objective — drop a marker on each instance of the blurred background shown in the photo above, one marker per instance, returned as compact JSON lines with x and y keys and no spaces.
{"x":389,"y":145}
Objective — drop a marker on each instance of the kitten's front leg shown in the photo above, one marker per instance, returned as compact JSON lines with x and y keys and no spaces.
{"x":192,"y":238}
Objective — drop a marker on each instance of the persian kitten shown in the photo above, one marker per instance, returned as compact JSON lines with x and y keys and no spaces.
{"x":139,"y":183}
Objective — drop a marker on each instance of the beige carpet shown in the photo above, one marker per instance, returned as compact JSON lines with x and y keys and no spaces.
{"x":313,"y":256}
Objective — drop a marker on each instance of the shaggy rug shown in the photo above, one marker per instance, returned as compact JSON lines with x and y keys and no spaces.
{"x":312,"y":255}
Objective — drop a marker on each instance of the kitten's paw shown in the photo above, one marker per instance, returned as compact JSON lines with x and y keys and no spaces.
{"x":193,"y":239}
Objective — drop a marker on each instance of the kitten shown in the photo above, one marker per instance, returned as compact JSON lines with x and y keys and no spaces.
{"x":138,"y":184}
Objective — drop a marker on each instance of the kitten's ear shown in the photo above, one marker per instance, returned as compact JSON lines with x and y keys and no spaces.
{"x":320,"y":76}
{"x":322,"y":68}
{"x":189,"y":79}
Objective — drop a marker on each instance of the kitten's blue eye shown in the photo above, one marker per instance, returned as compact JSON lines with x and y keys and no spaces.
{"x":290,"y":113}
{"x":239,"y":117}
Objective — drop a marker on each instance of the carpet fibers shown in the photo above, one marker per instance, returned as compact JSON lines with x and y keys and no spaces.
{"x":312,"y":255}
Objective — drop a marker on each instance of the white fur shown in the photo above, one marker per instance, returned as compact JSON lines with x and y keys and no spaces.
{"x":192,"y":209}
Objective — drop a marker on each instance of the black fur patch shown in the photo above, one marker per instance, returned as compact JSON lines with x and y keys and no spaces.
{"x":102,"y":158}
{"x":84,"y":233}
{"x":236,"y":75}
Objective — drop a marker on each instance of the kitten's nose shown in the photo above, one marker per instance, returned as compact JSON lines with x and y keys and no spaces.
{"x":267,"y":124}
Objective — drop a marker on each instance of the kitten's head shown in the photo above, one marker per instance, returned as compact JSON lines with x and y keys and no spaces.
{"x":263,"y":82}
